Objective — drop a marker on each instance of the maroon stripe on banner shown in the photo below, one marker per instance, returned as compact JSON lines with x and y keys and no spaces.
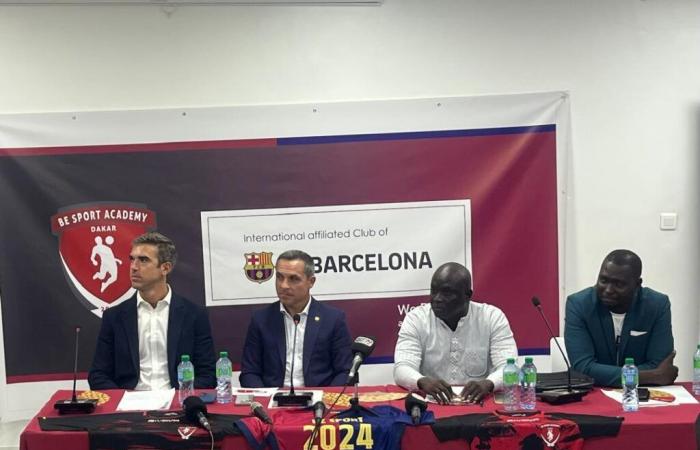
{"x":134,"y":148}
{"x":44,"y":377}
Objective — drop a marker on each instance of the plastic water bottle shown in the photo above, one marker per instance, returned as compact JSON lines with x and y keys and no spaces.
{"x":185,"y":378}
{"x":630,"y":381}
{"x":696,"y":372}
{"x":511,"y":387}
{"x":528,"y":384}
{"x":224,"y":371}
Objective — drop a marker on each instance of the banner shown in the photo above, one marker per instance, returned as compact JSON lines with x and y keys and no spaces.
{"x":378,"y":211}
{"x":359,"y":251}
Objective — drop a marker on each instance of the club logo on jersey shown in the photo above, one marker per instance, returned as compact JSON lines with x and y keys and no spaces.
{"x":550,"y":433}
{"x":258,"y":266}
{"x":94,"y":242}
{"x":186,"y":432}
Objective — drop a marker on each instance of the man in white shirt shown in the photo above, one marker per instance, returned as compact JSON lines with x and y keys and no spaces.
{"x":142,"y":339}
{"x":453,"y":341}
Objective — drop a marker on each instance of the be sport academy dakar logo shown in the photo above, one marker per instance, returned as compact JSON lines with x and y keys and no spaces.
{"x":258,"y":266}
{"x":550,"y":433}
{"x":94,"y":242}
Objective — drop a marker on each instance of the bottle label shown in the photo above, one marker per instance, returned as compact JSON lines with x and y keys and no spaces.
{"x":510,"y":378}
{"x":630,"y":377}
{"x":531,"y":377}
{"x":223,"y":372}
{"x":188,"y":375}
{"x":696,"y":363}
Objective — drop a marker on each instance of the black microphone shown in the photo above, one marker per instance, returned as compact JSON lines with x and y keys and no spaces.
{"x":259,"y":412}
{"x":196,"y":411}
{"x":319,"y":411}
{"x":292,"y":398}
{"x":362,"y":348}
{"x":296,"y":318}
{"x":558,"y":396}
{"x":415,"y":406}
{"x":75,"y":406}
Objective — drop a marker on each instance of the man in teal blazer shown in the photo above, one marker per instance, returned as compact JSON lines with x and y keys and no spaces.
{"x":617,"y":319}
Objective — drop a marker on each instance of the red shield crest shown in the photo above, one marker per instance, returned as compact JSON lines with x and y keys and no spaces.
{"x":94,"y":242}
{"x":258,"y":266}
{"x":550,"y":433}
{"x":186,"y":432}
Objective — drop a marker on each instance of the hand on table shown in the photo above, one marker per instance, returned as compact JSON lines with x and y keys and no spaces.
{"x":665,"y":373}
{"x":476,"y":391}
{"x":439,"y":389}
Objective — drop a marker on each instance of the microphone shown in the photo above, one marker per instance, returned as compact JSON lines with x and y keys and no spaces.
{"x":259,"y":412}
{"x":558,"y":396}
{"x":415,"y":406}
{"x":75,"y":406}
{"x":296,"y":318}
{"x":362,"y":348}
{"x":292,"y":398}
{"x":196,"y":411}
{"x":319,"y":411}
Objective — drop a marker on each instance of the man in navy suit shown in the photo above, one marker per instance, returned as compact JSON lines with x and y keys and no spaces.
{"x":618,"y":318}
{"x":322,"y":355}
{"x":142,"y":339}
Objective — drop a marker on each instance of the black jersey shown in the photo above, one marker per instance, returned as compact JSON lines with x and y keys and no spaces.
{"x":144,"y":430}
{"x":530,"y":431}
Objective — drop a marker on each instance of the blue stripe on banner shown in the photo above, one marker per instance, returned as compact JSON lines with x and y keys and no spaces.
{"x":415,"y":135}
{"x":380,"y":360}
{"x":521,"y":352}
{"x":533,"y":351}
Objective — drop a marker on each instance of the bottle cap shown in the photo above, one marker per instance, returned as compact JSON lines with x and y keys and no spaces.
{"x":528,"y":360}
{"x":185,"y":358}
{"x":223,"y":354}
{"x":629,"y":361}
{"x":510,"y":361}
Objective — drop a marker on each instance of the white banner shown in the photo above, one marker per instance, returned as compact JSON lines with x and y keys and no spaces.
{"x":360,"y":251}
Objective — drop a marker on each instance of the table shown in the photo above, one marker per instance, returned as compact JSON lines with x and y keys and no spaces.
{"x":666,"y":428}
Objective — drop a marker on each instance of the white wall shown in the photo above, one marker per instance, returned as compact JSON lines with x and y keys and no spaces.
{"x":632,"y":68}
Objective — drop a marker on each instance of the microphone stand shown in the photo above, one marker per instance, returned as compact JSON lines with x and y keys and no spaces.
{"x":75,"y":406}
{"x":558,"y":396}
{"x":292,"y":398}
{"x":356,"y":409}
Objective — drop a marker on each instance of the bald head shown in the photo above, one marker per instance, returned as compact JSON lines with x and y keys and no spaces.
{"x":455,"y":273}
{"x":450,"y":292}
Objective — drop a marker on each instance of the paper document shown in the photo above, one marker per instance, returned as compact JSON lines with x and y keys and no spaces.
{"x":146,"y":400}
{"x":658,"y":396}
{"x":456,"y":397}
{"x":257,"y":392}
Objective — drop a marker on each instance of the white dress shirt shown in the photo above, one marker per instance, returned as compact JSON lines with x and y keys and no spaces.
{"x":476,"y":350}
{"x":298,"y":353}
{"x":153,"y":343}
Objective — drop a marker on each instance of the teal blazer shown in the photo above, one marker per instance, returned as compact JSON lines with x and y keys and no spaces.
{"x":590,"y":337}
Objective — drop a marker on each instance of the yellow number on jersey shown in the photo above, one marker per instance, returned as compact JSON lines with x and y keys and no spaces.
{"x":364,"y":436}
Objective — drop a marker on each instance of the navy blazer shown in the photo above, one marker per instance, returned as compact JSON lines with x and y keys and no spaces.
{"x":116,"y":363}
{"x":590,"y":336}
{"x":327,"y":356}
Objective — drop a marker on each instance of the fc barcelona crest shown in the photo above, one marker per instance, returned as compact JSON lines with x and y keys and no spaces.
{"x":94,"y":242}
{"x":258,"y":266}
{"x":550,"y":433}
